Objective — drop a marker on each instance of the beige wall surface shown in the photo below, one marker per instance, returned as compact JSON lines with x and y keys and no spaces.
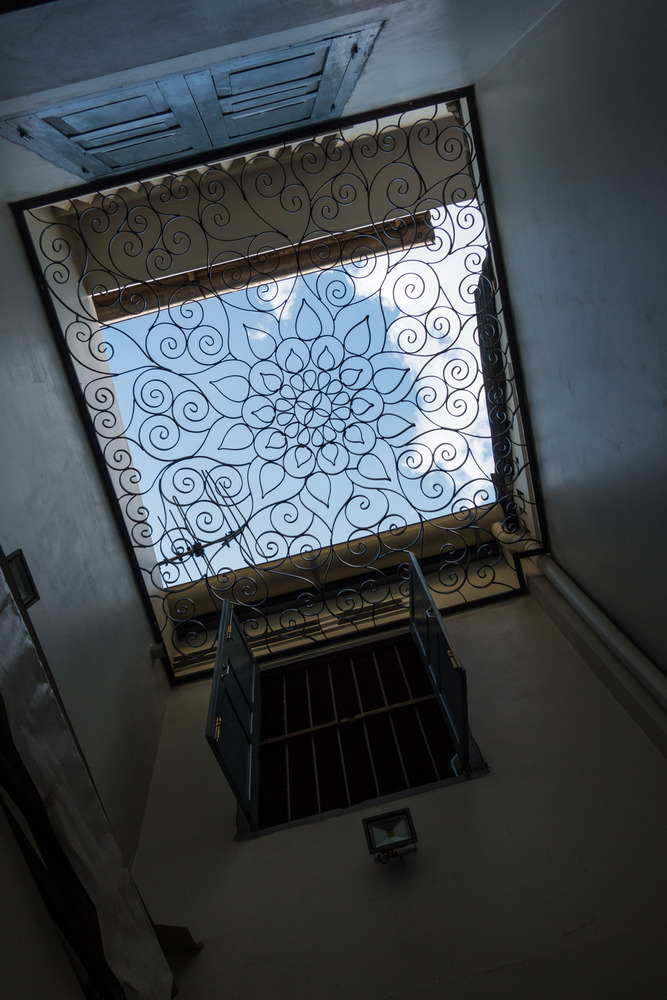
{"x":558,"y":853}
{"x":576,"y":141}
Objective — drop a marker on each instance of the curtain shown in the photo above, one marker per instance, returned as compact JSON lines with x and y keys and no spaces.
{"x":53,"y":808}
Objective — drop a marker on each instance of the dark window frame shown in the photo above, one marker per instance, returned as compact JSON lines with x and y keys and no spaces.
{"x":237,"y":712}
{"x":372,"y":753}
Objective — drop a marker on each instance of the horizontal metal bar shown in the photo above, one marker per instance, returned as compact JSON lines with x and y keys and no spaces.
{"x":246,"y":272}
{"x":352,"y":718}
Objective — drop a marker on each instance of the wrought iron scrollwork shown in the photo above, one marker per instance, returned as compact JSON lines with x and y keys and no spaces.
{"x":297,"y":371}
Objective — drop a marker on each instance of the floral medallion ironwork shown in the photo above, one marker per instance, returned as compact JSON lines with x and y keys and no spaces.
{"x":297,"y":370}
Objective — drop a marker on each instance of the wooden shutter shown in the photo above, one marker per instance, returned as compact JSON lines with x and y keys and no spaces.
{"x":188,"y":114}
{"x":232,"y":728}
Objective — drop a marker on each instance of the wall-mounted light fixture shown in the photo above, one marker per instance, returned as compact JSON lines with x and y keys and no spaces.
{"x":390,"y":835}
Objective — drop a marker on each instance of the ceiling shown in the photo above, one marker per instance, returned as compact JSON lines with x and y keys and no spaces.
{"x":72,"y":49}
{"x":425,"y":46}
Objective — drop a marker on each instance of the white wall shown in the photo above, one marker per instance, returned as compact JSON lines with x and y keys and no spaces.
{"x":425,"y":45}
{"x":576,"y":140}
{"x":89,"y":619}
{"x":546,"y":878}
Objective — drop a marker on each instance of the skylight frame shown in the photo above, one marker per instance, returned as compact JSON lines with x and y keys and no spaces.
{"x":507,"y":547}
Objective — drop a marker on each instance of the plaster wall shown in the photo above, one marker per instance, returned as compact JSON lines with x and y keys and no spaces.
{"x":545,"y":878}
{"x":32,"y":960}
{"x":576,"y":142}
{"x":89,"y":618}
{"x":426,"y":45}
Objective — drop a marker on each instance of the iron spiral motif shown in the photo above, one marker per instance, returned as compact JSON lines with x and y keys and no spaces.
{"x":297,"y":370}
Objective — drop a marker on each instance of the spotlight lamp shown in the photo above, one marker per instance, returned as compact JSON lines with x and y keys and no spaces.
{"x":390,"y":835}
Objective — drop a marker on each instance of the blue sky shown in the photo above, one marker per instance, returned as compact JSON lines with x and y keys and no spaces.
{"x":313,"y":410}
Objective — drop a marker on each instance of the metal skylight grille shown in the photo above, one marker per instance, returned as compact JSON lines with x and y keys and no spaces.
{"x":297,"y":369}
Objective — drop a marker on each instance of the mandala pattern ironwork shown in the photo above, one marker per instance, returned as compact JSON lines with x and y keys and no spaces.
{"x":297,"y":369}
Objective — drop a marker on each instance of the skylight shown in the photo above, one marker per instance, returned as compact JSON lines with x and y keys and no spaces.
{"x":311,"y":411}
{"x":296,"y":366}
